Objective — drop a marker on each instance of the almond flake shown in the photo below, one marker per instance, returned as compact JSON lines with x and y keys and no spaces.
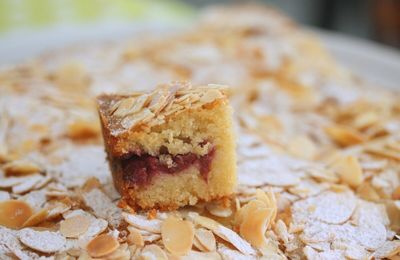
{"x":12,"y":181}
{"x":231,"y":254}
{"x":140,"y":222}
{"x":28,"y":184}
{"x":21,"y":167}
{"x":75,"y":226}
{"x":135,"y":237}
{"x":219,"y":210}
{"x":136,"y":119}
{"x":123,"y":107}
{"x":206,"y":239}
{"x":150,"y":252}
{"x":383,"y":153}
{"x":349,"y":170}
{"x":387,"y":250}
{"x":210,"y":96}
{"x":102,"y":245}
{"x":14,"y":213}
{"x":36,"y":218}
{"x":253,"y":220}
{"x":194,"y":255}
{"x":43,"y":241}
{"x":57,"y":208}
{"x":177,"y":235}
{"x":83,"y":129}
{"x":329,"y":207}
{"x":102,"y":206}
{"x":224,"y":233}
{"x":344,"y":136}
{"x":302,"y":147}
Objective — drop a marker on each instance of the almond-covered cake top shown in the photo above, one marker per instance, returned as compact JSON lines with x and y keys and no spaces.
{"x":153,"y":108}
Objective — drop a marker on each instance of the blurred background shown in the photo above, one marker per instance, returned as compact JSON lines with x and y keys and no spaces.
{"x":378,"y":20}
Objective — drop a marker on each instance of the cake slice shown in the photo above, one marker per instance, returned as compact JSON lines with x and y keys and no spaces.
{"x":171,"y":147}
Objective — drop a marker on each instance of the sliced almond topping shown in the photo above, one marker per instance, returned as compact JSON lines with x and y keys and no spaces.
{"x":43,"y":241}
{"x":140,"y":222}
{"x":349,"y":170}
{"x":177,"y":235}
{"x":219,"y":210}
{"x":224,"y":233}
{"x":28,"y":184}
{"x":383,"y":153}
{"x":136,"y":119}
{"x":102,"y":245}
{"x":344,"y":136}
{"x":210,"y":96}
{"x":82,"y":129}
{"x":153,"y":252}
{"x":367,"y":192}
{"x":75,"y":226}
{"x":206,"y":239}
{"x":254,"y":218}
{"x":302,"y":147}
{"x":387,"y":250}
{"x":14,"y":213}
{"x":135,"y":237}
{"x":123,"y":107}
{"x":21,"y":167}
{"x":36,"y":218}
{"x":253,"y":227}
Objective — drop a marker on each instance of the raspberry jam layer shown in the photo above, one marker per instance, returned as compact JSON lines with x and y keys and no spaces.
{"x":140,"y":169}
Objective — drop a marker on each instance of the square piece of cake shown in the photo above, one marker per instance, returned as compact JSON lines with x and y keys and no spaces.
{"x":172,"y":147}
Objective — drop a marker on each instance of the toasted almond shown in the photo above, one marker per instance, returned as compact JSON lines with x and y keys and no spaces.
{"x":153,"y":252}
{"x":28,"y":184}
{"x":177,"y":235}
{"x":14,"y":213}
{"x":81,"y":129}
{"x":43,"y":241}
{"x":349,"y":170}
{"x":102,"y":245}
{"x":383,"y":153}
{"x":224,"y":233}
{"x":75,"y":226}
{"x":135,"y":237}
{"x":254,"y":226}
{"x":210,"y":96}
{"x":219,"y":210}
{"x":367,"y":192}
{"x":21,"y":167}
{"x":121,"y":108}
{"x":344,"y":136}
{"x":140,"y":222}
{"x":206,"y":239}
{"x":136,"y":119}
{"x":90,"y":184}
{"x":302,"y":147}
{"x":36,"y":218}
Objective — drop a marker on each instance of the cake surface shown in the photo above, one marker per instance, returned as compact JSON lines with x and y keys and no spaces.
{"x":171,"y":147}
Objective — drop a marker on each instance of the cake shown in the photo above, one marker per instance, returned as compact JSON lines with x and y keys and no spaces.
{"x":171,"y":147}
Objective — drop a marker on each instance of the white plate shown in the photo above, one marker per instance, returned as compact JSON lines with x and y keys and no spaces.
{"x":376,"y":63}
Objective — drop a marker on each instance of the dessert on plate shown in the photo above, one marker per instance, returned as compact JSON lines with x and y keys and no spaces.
{"x":318,"y":165}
